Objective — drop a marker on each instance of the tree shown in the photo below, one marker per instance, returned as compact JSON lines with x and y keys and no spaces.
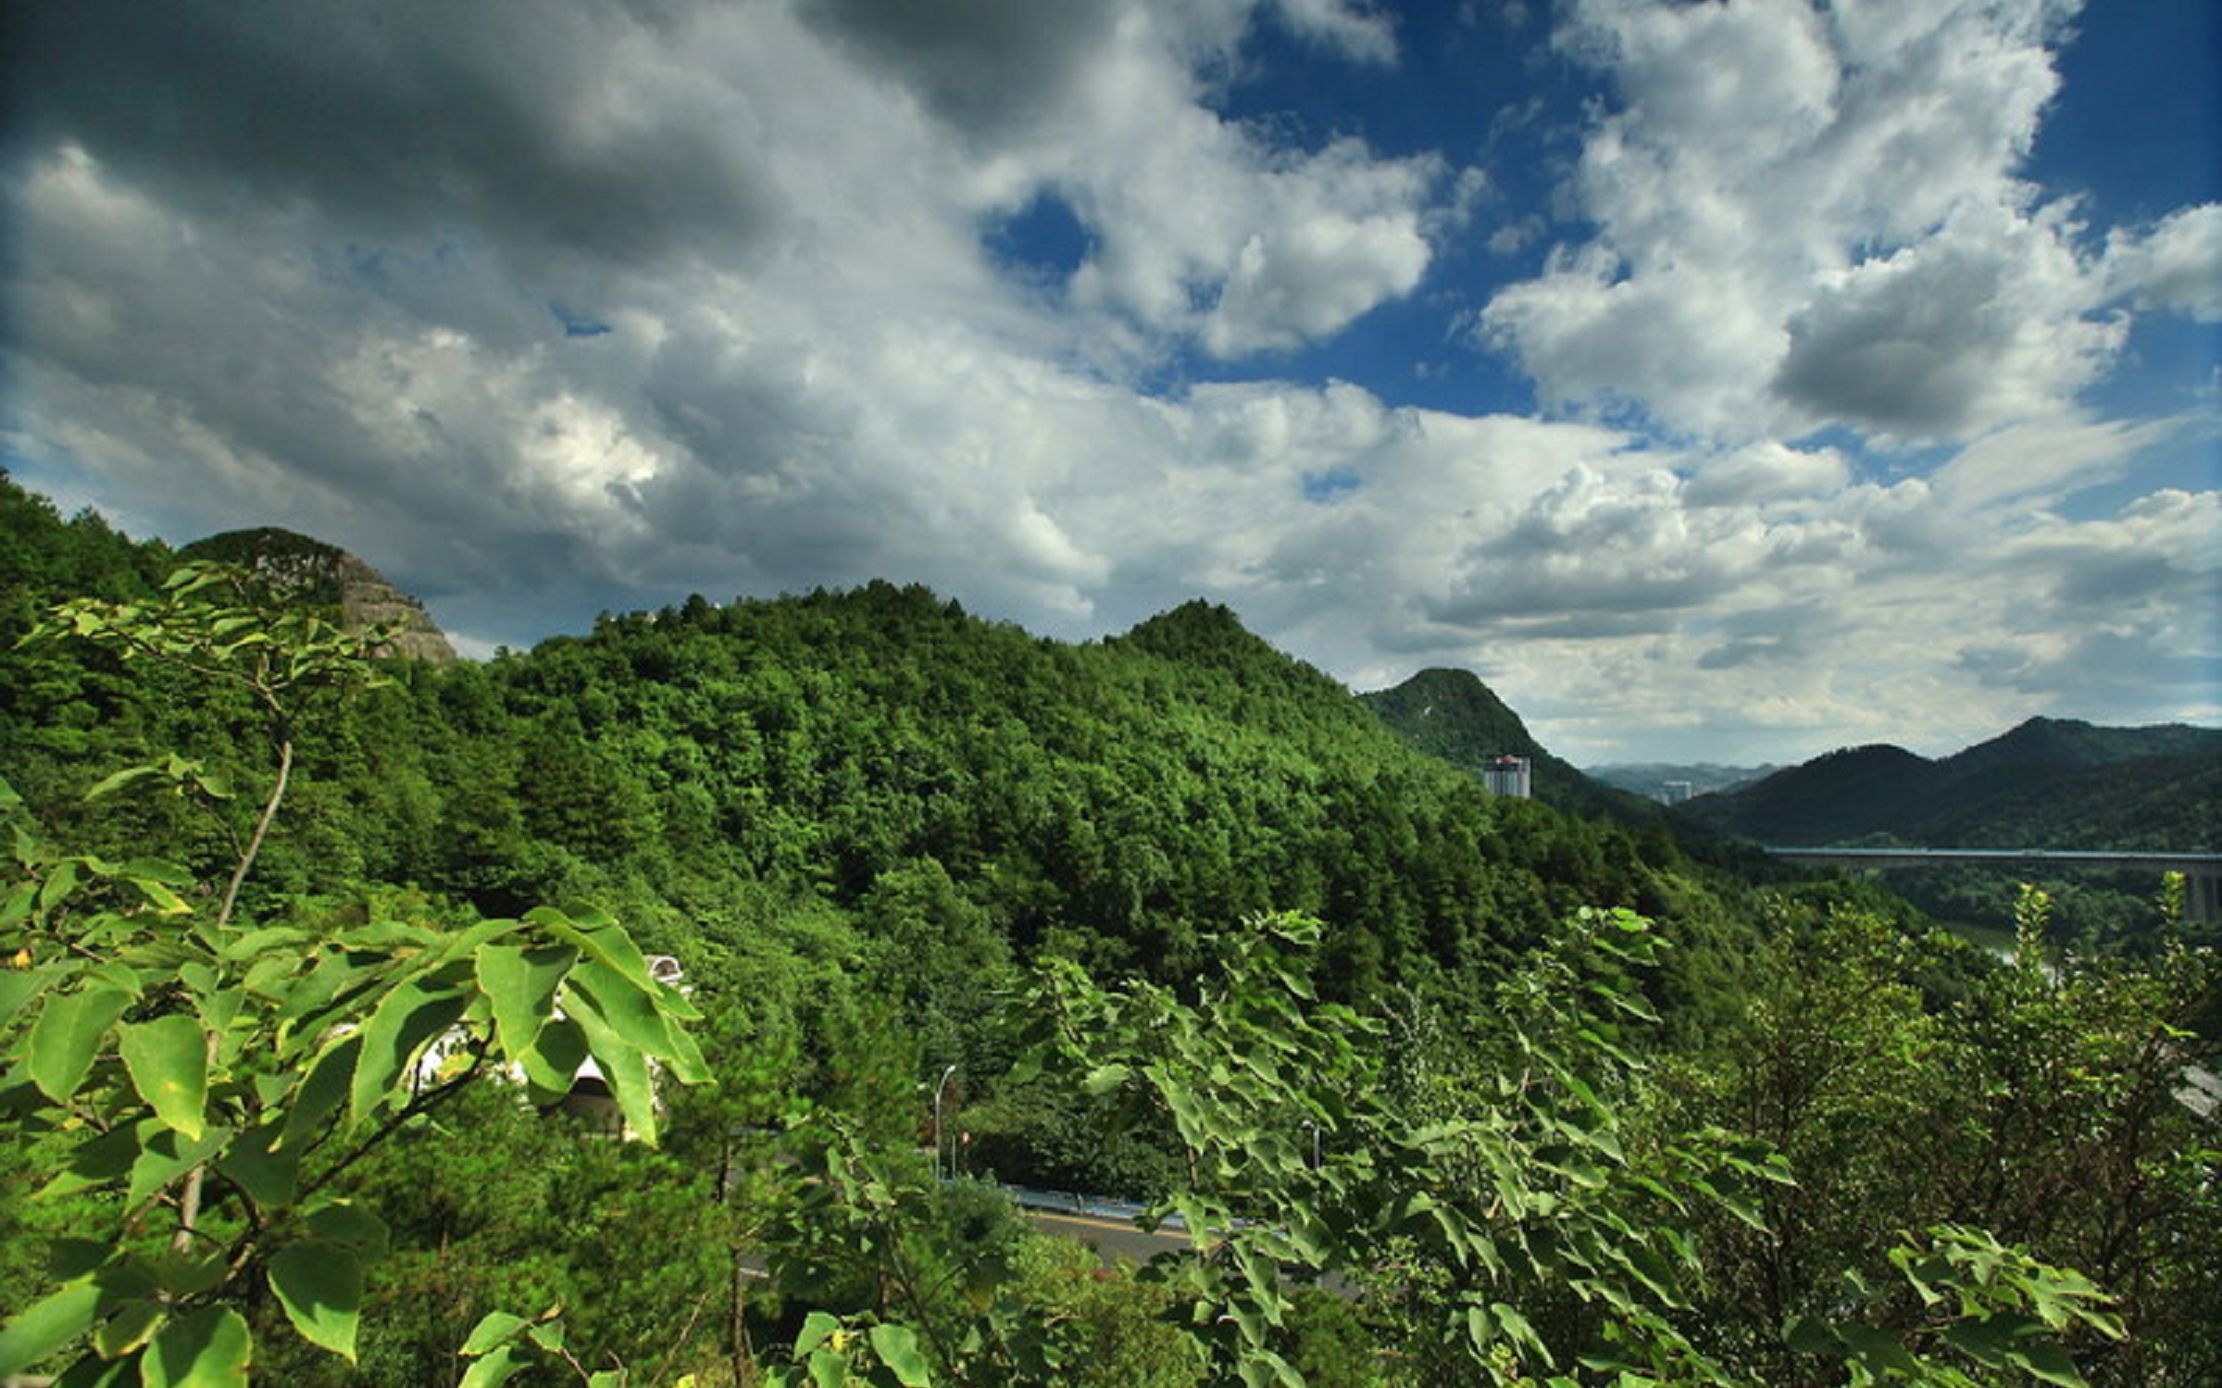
{"x":210,"y":1083}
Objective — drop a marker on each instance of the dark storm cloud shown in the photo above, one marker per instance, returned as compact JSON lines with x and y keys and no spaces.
{"x":986,"y":67}
{"x":393,"y":117}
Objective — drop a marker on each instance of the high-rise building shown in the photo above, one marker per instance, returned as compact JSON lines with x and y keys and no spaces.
{"x":1507,"y":775}
{"x":1674,"y":792}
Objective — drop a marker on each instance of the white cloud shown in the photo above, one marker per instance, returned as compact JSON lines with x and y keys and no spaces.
{"x":817,"y":373}
{"x":1808,"y":217}
{"x":2178,"y":266}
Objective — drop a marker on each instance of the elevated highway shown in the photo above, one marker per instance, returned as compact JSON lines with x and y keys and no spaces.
{"x":2202,"y":872}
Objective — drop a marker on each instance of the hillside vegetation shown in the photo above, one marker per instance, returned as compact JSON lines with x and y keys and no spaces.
{"x":1443,"y":1088}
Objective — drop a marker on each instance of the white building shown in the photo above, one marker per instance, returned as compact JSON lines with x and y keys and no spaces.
{"x":1507,"y":775}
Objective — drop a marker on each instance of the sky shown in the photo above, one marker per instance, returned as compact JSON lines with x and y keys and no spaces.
{"x":1719,"y":381}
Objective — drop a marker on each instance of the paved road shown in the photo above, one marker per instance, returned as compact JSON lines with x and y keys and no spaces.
{"x":1112,"y":1239}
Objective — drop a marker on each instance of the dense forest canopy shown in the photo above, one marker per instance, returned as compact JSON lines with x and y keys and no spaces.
{"x":1583,"y":1103}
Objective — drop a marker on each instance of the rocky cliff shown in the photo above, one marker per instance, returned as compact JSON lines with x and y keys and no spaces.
{"x":300,"y":569}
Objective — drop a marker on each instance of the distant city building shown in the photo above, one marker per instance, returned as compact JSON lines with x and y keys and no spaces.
{"x":1674,"y":792}
{"x":1507,"y":776}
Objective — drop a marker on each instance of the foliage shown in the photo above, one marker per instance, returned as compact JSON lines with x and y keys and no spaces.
{"x":213,"y":1082}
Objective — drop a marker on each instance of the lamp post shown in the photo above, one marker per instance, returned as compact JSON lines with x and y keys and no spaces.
{"x":939,"y":1086}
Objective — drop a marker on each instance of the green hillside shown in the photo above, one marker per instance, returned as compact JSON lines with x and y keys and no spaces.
{"x":1168,"y":915}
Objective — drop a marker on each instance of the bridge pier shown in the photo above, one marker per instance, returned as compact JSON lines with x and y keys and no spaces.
{"x":2202,"y":898}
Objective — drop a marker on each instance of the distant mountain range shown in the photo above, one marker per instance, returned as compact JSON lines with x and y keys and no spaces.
{"x":1651,"y":779}
{"x":2049,"y":783}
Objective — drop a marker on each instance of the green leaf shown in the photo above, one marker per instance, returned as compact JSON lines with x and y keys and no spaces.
{"x":816,"y":1327}
{"x":19,"y":988}
{"x":270,"y":1175}
{"x":47,"y":1326}
{"x":320,"y":1284}
{"x":66,"y":1036}
{"x":321,"y":1090}
{"x":1105,"y":1078}
{"x":208,"y":1349}
{"x":407,"y":1020}
{"x":132,"y":1326}
{"x":59,"y":884}
{"x":897,"y":1347}
{"x":521,"y":983}
{"x":552,"y":1065}
{"x":2044,"y":1359}
{"x":343,"y":1222}
{"x":168,"y":1062}
{"x":622,"y":1066}
{"x":166,"y":1154}
{"x":829,"y":1370}
{"x":493,"y":1328}
{"x":628,"y":1009}
{"x":492,"y":1370}
{"x":96,"y":1161}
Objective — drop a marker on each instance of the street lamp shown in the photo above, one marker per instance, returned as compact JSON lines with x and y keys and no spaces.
{"x":938,"y":1088}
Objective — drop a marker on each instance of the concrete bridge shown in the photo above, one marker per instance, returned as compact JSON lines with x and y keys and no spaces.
{"x":2202,"y":872}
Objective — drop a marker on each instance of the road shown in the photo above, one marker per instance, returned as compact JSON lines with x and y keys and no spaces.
{"x":1112,"y":1239}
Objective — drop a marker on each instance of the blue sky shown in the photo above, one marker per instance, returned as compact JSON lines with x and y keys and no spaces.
{"x":1723,"y":381}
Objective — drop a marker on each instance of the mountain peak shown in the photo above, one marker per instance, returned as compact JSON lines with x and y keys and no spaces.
{"x":300,"y":568}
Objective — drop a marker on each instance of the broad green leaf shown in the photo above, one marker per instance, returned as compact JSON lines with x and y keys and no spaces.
{"x":343,"y":1222}
{"x":166,"y":1154}
{"x":96,"y":1161}
{"x":67,"y":1036}
{"x":162,"y":899}
{"x":208,"y":1349}
{"x":255,"y":1163}
{"x":828,"y":1369}
{"x":130,"y":1327}
{"x":622,"y":1065}
{"x":1105,"y":1078}
{"x":606,"y":1378}
{"x":168,"y":1062}
{"x":91,"y":1371}
{"x":408,"y":1019}
{"x":59,"y":884}
{"x":19,"y":988}
{"x":493,"y":1328}
{"x":321,"y":1090}
{"x":552,"y":1065}
{"x":815,"y":1328}
{"x":897,"y":1347}
{"x":47,"y":1326}
{"x":320,"y":1285}
{"x":627,"y":1009}
{"x":521,"y":982}
{"x":494,"y":1369}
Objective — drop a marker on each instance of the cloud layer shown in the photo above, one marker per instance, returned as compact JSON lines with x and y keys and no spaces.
{"x":546,"y":312}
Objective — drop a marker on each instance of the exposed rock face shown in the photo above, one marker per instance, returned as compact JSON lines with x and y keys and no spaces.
{"x":366,"y":599}
{"x":299,"y":569}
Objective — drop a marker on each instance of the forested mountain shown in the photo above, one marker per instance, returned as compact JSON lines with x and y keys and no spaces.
{"x":2049,"y":783}
{"x":305,"y":570}
{"x":1169,"y":915}
{"x":1451,"y":714}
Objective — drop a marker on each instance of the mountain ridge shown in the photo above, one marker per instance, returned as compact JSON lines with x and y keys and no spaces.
{"x":2045,"y":783}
